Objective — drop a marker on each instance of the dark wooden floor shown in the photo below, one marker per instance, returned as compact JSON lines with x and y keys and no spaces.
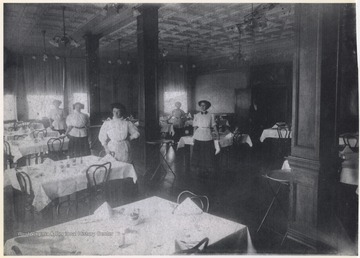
{"x":237,"y":192}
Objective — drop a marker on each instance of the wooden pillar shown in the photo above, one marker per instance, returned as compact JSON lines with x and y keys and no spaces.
{"x":93,"y":76}
{"x":147,"y":44}
{"x":314,"y":138}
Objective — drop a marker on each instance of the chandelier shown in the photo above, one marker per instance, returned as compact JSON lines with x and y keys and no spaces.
{"x":45,"y":57}
{"x":119,"y":56}
{"x":63,"y":40}
{"x":256,"y":21}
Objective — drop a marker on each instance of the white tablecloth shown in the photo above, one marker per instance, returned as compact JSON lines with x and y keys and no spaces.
{"x":225,"y":141}
{"x":167,"y":128}
{"x":9,"y":136}
{"x":271,"y":133}
{"x":30,"y":146}
{"x":49,"y":182}
{"x":245,"y":138}
{"x":155,"y":232}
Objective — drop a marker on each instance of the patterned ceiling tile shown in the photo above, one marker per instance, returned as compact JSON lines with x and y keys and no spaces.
{"x":209,"y":28}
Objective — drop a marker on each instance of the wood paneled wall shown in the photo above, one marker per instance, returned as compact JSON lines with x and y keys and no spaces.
{"x":314,"y":140}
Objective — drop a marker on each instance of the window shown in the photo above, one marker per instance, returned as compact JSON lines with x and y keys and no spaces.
{"x":40,"y":105}
{"x":170,"y":97}
{"x":82,"y":98}
{"x":10,"y":112}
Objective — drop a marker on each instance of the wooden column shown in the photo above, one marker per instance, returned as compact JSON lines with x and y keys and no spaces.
{"x":147,"y":44}
{"x":314,"y":138}
{"x":92,"y":76}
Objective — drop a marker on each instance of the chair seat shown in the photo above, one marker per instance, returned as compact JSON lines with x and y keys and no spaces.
{"x":281,"y":175}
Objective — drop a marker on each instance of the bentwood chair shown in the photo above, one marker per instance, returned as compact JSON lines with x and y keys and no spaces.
{"x":37,"y":133}
{"x":8,"y":158}
{"x":97,"y":177}
{"x":284,"y":141}
{"x":24,"y":198}
{"x":201,"y":200}
{"x":352,"y":141}
{"x":20,"y":137}
{"x":55,"y":148}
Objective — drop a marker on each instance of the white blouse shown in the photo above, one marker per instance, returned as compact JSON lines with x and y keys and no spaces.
{"x":117,"y":130}
{"x":59,"y":118}
{"x":204,"y":122}
{"x":80,"y":122}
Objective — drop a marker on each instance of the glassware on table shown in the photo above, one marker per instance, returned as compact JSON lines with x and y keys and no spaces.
{"x":68,"y":161}
{"x":74,"y":162}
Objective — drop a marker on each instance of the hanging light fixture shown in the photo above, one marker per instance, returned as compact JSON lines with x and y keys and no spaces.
{"x":45,"y":57}
{"x":119,"y":58}
{"x":63,"y":40}
{"x":256,"y":20}
{"x":187,"y":55}
{"x":240,"y":56}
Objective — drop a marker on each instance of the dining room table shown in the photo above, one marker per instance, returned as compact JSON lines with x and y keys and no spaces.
{"x":273,"y":133}
{"x":225,"y":140}
{"x":53,"y":179}
{"x":151,"y":226}
{"x":12,"y":135}
{"x":29,"y":145}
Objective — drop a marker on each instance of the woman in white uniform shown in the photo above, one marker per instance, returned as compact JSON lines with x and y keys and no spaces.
{"x":77,"y":132}
{"x":115,"y":134}
{"x":203,"y":158}
{"x":57,"y":118}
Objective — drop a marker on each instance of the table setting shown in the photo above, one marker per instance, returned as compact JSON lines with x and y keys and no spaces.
{"x":273,"y":132}
{"x":31,"y":145}
{"x":27,"y":131}
{"x":152,"y":226}
{"x":53,"y":179}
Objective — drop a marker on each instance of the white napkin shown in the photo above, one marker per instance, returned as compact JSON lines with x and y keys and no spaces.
{"x":187,"y":207}
{"x":229,"y":136}
{"x":48,"y":162}
{"x":104,"y":211}
{"x":217,"y":147}
{"x":107,"y":158}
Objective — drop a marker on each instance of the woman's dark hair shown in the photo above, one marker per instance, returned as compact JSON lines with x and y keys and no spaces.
{"x":119,"y":106}
{"x":78,"y":103}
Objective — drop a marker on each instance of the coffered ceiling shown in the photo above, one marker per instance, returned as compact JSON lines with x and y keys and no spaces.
{"x":209,"y":30}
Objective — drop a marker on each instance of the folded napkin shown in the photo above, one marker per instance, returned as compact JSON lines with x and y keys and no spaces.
{"x":187,"y":207}
{"x":104,"y":211}
{"x":48,"y":162}
{"x":107,"y":158}
{"x":229,"y":136}
{"x":217,"y":147}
